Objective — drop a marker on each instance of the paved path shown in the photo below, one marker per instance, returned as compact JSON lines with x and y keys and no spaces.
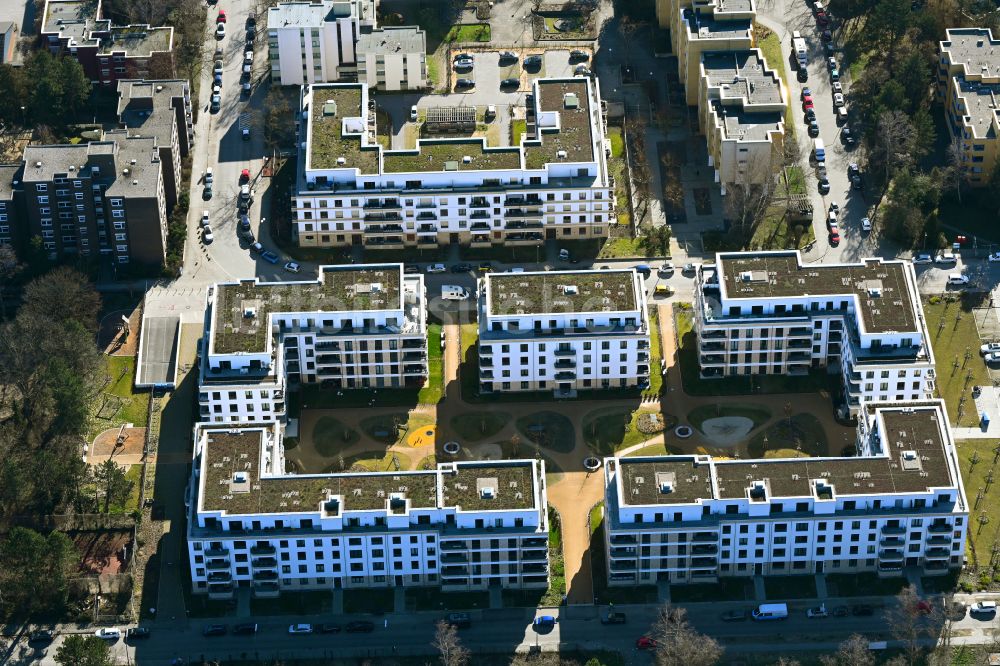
{"x":573,"y":496}
{"x":452,"y":361}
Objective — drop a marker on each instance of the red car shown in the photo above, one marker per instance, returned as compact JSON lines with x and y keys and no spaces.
{"x":645,"y":643}
{"x":834,"y":238}
{"x":222,"y":16}
{"x":924,"y":607}
{"x":244,"y":176}
{"x":807,"y":103}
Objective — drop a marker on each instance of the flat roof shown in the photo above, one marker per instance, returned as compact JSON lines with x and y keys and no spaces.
{"x":981,"y":101}
{"x":240,"y":316}
{"x":574,"y":139}
{"x":139,"y":156}
{"x":328,"y":143}
{"x":742,"y":75}
{"x":667,"y":480}
{"x":974,"y":48}
{"x":912,"y":453}
{"x":70,"y":18}
{"x":8,"y":174}
{"x":741,"y":125}
{"x":884,"y":300}
{"x":916,"y":461}
{"x":471,"y":486}
{"x":702,"y":26}
{"x":562,"y":292}
{"x":137,"y":40}
{"x":392,"y":39}
{"x":309,"y":14}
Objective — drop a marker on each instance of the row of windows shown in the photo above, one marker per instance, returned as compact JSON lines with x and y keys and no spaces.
{"x":431,"y":203}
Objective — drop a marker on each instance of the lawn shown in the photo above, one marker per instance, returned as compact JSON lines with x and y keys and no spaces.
{"x":517,"y":130}
{"x":801,"y":434}
{"x":775,"y":232}
{"x":687,"y":355}
{"x":133,"y":407}
{"x":474,"y":32}
{"x":549,"y":430}
{"x":790,"y":587}
{"x":981,"y":537}
{"x":622,"y":246}
{"x":770,"y":45}
{"x":433,"y":389}
{"x":611,"y":428}
{"x":616,"y":165}
{"x":953,"y":334}
{"x":476,"y":426}
{"x":469,"y":336}
{"x":596,"y":517}
{"x":655,"y":354}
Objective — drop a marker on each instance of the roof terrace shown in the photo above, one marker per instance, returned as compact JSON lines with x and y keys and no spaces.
{"x":667,"y":480}
{"x":332,"y":144}
{"x":137,"y":41}
{"x":572,"y":140}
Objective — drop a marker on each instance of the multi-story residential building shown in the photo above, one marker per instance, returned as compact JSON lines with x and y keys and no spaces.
{"x":898,"y":503}
{"x":107,"y":53}
{"x":352,"y":327}
{"x":968,"y":84}
{"x":741,"y":103}
{"x":563,"y":331}
{"x":448,"y":191}
{"x":161,"y":110}
{"x":392,"y":58}
{"x":8,"y":40}
{"x":768,"y":313}
{"x":11,"y":204}
{"x":462,"y":526}
{"x":104,"y":197}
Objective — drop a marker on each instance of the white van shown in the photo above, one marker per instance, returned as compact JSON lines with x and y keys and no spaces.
{"x":451,"y":292}
{"x":771,"y":612}
{"x":819,"y":150}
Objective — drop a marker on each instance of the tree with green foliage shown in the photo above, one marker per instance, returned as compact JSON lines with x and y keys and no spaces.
{"x":57,"y":89}
{"x":33,"y":570}
{"x":656,"y":239}
{"x":82,"y":650}
{"x":115,"y":486}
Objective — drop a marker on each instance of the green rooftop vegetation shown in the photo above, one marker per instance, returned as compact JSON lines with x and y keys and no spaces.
{"x":330,"y":106}
{"x":570,"y":100}
{"x":583,"y":291}
{"x":450,"y":156}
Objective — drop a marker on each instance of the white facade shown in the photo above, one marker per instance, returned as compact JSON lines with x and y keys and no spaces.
{"x":463,"y":526}
{"x":360,"y":326}
{"x":555,"y":185}
{"x":563,"y":331}
{"x":767,"y":313}
{"x":899,"y":503}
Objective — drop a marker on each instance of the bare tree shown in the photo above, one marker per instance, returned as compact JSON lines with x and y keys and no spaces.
{"x":677,"y":642}
{"x":9,"y":267}
{"x":894,"y":145}
{"x":955,"y":172}
{"x":448,"y":646}
{"x":911,"y":620}
{"x":852,"y":652}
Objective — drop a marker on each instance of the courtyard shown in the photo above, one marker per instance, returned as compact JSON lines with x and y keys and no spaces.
{"x":388,"y":437}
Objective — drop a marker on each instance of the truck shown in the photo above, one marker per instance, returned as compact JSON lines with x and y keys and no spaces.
{"x":766,"y":612}
{"x":799,"y":49}
{"x":451,"y":292}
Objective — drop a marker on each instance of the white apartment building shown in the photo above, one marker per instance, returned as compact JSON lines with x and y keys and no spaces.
{"x":463,"y":526}
{"x":336,"y":40}
{"x":354,"y":326}
{"x":898,"y":503}
{"x":448,"y":191}
{"x":563,"y":331}
{"x":393,"y":58}
{"x":768,"y":313}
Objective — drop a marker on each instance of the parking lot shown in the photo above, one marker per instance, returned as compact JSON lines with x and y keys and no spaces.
{"x":487,"y":73}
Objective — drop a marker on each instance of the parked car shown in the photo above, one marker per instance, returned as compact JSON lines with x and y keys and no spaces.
{"x":824,"y":185}
{"x":533,"y":61}
{"x":508,"y":56}
{"x":413,"y":113}
{"x":221,"y":18}
{"x":217,"y":68}
{"x":813,"y":129}
{"x":923,"y":259}
{"x":946,"y":257}
{"x":109,"y":633}
{"x":436,"y":268}
{"x":994,"y":257}
{"x":806,"y":92}
{"x":802,"y":74}
{"x":360,"y":627}
{"x":840,"y":611}
{"x":958,"y":279}
{"x":983,"y":608}
{"x":834,"y":238}
{"x":409,"y":268}
{"x":989,"y":348}
{"x":836,"y":87}
{"x":666,"y":269}
{"x":582,"y":70}
{"x":137,"y":633}
{"x":40,"y":636}
{"x":463,"y":65}
{"x":216,"y":103}
{"x":613,"y":617}
{"x":206,"y":235}
{"x":292,"y":267}
{"x":245,"y":628}
{"x":204,"y":218}
{"x":329,"y":628}
{"x":459,"y":620}
{"x":645,"y":643}
{"x":835,"y":75}
{"x":831,"y":63}
{"x":544,"y":622}
{"x":461,"y":268}
{"x":854,"y":175}
{"x":838,"y":99}
{"x":737,"y":615}
{"x":206,"y":192}
{"x":992,"y":357}
{"x":485,"y":267}
{"x":866,"y":224}
{"x":269,"y":256}
{"x":578,"y":55}
{"x":826,"y":36}
{"x":862,"y":610}
{"x":464,"y":83}
{"x":244,"y":176}
{"x":810,"y":115}
{"x":220,"y":30}
{"x":817,"y":612}
{"x":303,"y":628}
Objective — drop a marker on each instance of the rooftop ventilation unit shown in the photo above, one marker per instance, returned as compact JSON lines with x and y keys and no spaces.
{"x":487,"y":492}
{"x":570,"y":289}
{"x":561,"y":154}
{"x":467,"y":159}
{"x":874,"y":292}
{"x":341,"y":161}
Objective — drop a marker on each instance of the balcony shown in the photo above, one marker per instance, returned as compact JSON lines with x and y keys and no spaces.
{"x":705,"y":549}
{"x":426,"y":240}
{"x":710,"y":346}
{"x":939,"y":540}
{"x":565,"y":375}
{"x":217,"y":552}
{"x":215,"y":565}
{"x":414,"y":369}
{"x":704,"y":562}
{"x":623,"y":565}
{"x":889,"y":567}
{"x":534,"y":568}
{"x":892,"y":542}
{"x":266,"y":590}
{"x":625,"y":539}
{"x":454,"y":558}
{"x":479,"y":202}
{"x":706,"y":536}
{"x":383,"y":217}
{"x":799,"y":344}
{"x":480,"y":226}
{"x":937,"y":554}
{"x":890,"y":555}
{"x":524,"y":239}
{"x":422,"y":217}
{"x":382,"y":204}
{"x":455,"y":570}
{"x":375,"y":229}
{"x":512,"y":226}
{"x":642,"y":357}
{"x":799,"y":356}
{"x":265,"y":575}
{"x":480,"y":215}
{"x":565,"y":351}
{"x":535,"y":542}
{"x":939,"y":528}
{"x":713,"y":334}
{"x":220,"y":577}
{"x":427,"y":229}
{"x":220,"y":591}
{"x":481,"y":240}
{"x":565,"y":363}
{"x":486,"y":362}
{"x":265,"y":563}
{"x":414,"y":355}
{"x":623,"y":551}
{"x":523,"y":201}
{"x":533,"y":555}
{"x":388,"y":243}
{"x":800,"y":331}
{"x":712,"y":359}
{"x":454,"y":545}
